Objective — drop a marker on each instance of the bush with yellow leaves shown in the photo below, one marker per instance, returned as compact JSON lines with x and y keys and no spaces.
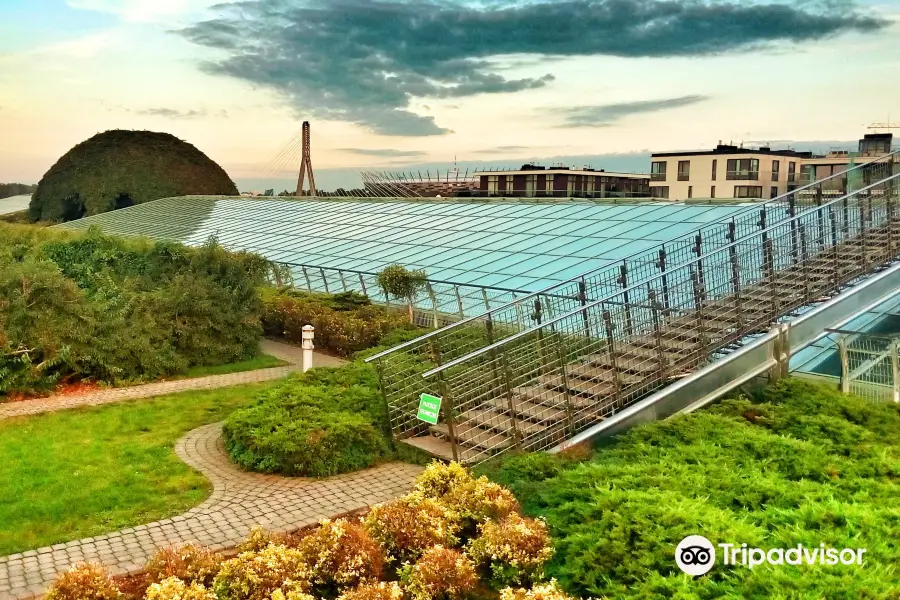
{"x":88,"y":581}
{"x":473,"y":501}
{"x":173,"y":588}
{"x":189,"y":563}
{"x":259,"y":539}
{"x":544,"y":591}
{"x":513,"y":550}
{"x":258,"y":575}
{"x":338,"y":555}
{"x":381,"y":590}
{"x":440,"y":574}
{"x":408,"y":526}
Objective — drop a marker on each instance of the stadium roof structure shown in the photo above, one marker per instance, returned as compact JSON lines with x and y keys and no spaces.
{"x":517,"y":245}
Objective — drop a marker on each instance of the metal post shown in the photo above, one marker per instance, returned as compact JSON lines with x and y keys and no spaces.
{"x":698,"y":307}
{"x":343,"y":281}
{"x":623,"y":281}
{"x":447,"y":404}
{"x":582,"y":298}
{"x":325,"y":279}
{"x":433,"y":297}
{"x":561,"y":358}
{"x":804,"y":263}
{"x":895,"y":369}
{"x":835,"y":261}
{"x":362,"y":284}
{"x":845,"y":364}
{"x":735,"y":274}
{"x":611,"y":346}
{"x":308,"y":282}
{"x":698,"y":250}
{"x":489,"y":331}
{"x":459,"y":302}
{"x":792,"y":212}
{"x":657,"y":330}
{"x":863,"y":233}
{"x":307,"y":336}
{"x":661,"y":265}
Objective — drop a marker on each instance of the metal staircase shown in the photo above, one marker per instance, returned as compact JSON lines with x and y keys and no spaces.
{"x":538,"y":371}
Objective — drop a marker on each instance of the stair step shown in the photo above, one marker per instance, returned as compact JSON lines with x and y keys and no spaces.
{"x":476,"y":436}
{"x":443,"y":449}
{"x":592,"y":372}
{"x":532,"y":410}
{"x":490,"y":418}
{"x":577,"y":386}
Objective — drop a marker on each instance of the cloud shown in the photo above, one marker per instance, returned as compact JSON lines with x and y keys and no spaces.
{"x":504,"y":149}
{"x":142,"y":11}
{"x":364,"y":61}
{"x":607,"y":114}
{"x":171,"y":113}
{"x":384,"y":153}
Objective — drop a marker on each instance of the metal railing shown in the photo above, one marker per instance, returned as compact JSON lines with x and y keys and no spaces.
{"x":870,"y":364}
{"x":558,"y":298}
{"x":512,"y":379}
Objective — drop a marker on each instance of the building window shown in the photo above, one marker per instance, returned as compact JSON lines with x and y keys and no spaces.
{"x":660,"y":192}
{"x":743,"y":169}
{"x":493,"y":185}
{"x":684,"y":170}
{"x":658,"y":171}
{"x":715,"y":165}
{"x":712,"y":191}
{"x":776,"y":167}
{"x":748,"y":191}
{"x":590,"y":184}
{"x":690,"y":191}
{"x":549,"y":185}
{"x":509,"y":185}
{"x":570,"y":186}
{"x":792,"y":172}
{"x":773,"y":192}
{"x":530,"y":185}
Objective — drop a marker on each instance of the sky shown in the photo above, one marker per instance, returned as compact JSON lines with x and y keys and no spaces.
{"x":417,"y":84}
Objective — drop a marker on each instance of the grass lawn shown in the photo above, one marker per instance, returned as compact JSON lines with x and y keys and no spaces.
{"x":263,"y":361}
{"x":80,"y":473}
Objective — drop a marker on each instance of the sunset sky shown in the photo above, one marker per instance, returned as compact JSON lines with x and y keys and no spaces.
{"x":390,"y":84}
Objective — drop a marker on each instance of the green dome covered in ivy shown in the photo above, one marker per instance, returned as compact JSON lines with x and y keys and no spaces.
{"x":120,"y":168}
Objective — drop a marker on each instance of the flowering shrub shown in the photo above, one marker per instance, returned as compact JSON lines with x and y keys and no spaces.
{"x":440,"y":574}
{"x":188,"y":563}
{"x":83,"y":582}
{"x":408,"y":526}
{"x":340,"y":554}
{"x":257,"y":575}
{"x":473,"y":500}
{"x":176,"y":589}
{"x":381,"y":590}
{"x":545,"y":591}
{"x":512,"y":551}
{"x":259,"y":539}
{"x":341,"y":331}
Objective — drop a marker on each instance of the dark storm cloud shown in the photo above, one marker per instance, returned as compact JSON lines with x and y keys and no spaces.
{"x":385,"y":153}
{"x":606,"y":115}
{"x":364,"y":61}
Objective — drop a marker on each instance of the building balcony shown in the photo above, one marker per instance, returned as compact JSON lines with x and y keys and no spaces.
{"x":684,"y":177}
{"x":657,"y":176}
{"x":742,"y":175}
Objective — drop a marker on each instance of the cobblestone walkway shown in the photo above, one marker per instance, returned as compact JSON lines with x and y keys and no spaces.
{"x":239,"y":501}
{"x":285,"y":352}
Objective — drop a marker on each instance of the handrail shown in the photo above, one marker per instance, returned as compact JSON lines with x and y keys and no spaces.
{"x":755,"y":206}
{"x":637,"y":285}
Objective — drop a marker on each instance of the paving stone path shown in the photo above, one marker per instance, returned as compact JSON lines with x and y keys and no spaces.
{"x":239,"y":502}
{"x":290,"y":354}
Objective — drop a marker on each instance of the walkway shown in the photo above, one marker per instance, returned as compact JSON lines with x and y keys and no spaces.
{"x":285,"y":352}
{"x":239,"y":502}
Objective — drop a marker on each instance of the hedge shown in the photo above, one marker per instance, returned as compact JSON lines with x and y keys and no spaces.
{"x":87,"y":306}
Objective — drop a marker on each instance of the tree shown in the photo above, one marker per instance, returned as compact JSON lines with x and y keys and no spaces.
{"x":402,"y":283}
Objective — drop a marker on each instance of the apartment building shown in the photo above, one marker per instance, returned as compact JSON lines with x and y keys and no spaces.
{"x":562,"y":182}
{"x":837,"y":160}
{"x":726,"y":172}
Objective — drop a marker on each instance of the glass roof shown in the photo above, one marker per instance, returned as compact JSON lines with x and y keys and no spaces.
{"x":509,"y":244}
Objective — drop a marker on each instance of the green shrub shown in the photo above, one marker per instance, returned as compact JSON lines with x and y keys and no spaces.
{"x":402,"y":283}
{"x":87,"y":306}
{"x":797,"y":464}
{"x":344,"y":324}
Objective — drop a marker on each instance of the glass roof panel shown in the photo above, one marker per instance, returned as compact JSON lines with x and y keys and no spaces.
{"x":526,"y":245}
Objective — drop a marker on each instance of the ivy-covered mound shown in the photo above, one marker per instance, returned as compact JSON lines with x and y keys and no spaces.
{"x":799,"y":464}
{"x":86,"y":306}
{"x":120,"y":168}
{"x":454,"y":537}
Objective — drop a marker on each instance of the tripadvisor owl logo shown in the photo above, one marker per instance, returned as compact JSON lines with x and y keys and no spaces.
{"x":696,"y":555}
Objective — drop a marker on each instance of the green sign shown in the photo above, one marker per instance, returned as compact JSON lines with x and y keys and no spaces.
{"x":429,"y":409}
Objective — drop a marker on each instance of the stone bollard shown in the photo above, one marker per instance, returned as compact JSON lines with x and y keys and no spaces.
{"x":309,"y":332}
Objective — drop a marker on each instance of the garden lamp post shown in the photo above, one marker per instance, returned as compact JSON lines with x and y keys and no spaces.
{"x":309,"y":333}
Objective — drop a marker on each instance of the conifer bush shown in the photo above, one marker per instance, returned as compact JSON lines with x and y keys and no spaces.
{"x":340,"y":554}
{"x":87,"y":581}
{"x":188,"y":563}
{"x":440,"y":574}
{"x":258,"y":575}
